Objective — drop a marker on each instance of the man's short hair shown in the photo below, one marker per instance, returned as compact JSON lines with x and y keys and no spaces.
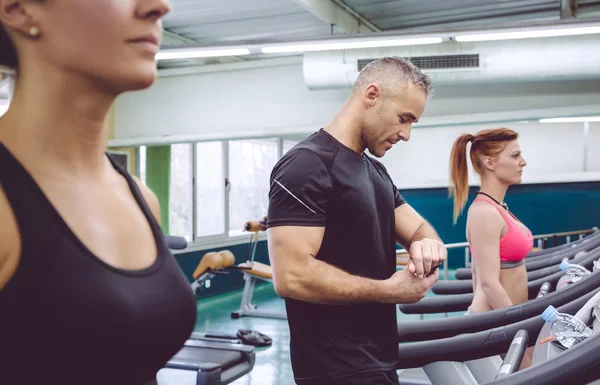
{"x":392,"y":72}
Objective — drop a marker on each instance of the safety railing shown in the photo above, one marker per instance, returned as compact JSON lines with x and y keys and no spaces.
{"x":542,"y":243}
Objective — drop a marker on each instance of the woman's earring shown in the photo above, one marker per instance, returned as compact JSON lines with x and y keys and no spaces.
{"x":34,"y":31}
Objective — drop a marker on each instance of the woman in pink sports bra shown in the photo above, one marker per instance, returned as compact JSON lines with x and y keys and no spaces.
{"x":498,"y":240}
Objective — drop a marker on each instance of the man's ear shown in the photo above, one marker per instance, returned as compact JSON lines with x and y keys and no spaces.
{"x":15,"y":17}
{"x":372,"y":93}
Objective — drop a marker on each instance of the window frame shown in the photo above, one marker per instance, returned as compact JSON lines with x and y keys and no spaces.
{"x":223,"y":239}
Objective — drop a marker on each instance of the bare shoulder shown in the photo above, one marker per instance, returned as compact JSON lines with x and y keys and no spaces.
{"x":149,"y":197}
{"x":480,"y":211}
{"x":10,"y":248}
{"x":484,"y":217}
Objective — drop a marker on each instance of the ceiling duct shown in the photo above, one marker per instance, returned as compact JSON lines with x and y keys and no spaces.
{"x":525,"y":60}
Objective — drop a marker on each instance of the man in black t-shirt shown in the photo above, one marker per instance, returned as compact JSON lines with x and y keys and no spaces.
{"x":334,"y":219}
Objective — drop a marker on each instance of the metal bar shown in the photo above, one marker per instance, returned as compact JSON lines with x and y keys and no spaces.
{"x":539,"y":237}
{"x":568,"y":9}
{"x":194,"y":192}
{"x":586,"y":133}
{"x":446,"y":269}
{"x":226,"y":184}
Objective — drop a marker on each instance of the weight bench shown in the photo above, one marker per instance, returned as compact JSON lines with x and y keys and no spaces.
{"x":201,"y":362}
{"x":217,"y":263}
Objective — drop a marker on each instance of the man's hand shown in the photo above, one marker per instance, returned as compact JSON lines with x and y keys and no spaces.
{"x":426,"y":254}
{"x":404,"y":287}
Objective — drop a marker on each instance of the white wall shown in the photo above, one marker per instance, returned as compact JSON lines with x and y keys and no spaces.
{"x":237,"y":102}
{"x":553,"y":151}
{"x":274,"y":100}
{"x":594,"y":146}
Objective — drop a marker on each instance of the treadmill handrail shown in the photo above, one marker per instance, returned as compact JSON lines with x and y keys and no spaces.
{"x":467,"y":347}
{"x":460,"y":302}
{"x":452,"y":326}
{"x":466,"y":285}
{"x":578,"y":365}
{"x":515,"y":354}
{"x":553,"y":259}
{"x":438,"y":304}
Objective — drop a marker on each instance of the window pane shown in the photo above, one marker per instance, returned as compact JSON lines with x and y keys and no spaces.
{"x":210,"y":189}
{"x":288,"y":144}
{"x":143,"y":164}
{"x":180,"y":210}
{"x":250,"y":165}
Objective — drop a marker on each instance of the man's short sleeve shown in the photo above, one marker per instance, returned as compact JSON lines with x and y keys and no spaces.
{"x":299,"y":192}
{"x":398,"y":198}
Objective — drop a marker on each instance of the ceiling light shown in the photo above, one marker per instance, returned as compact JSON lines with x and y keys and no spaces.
{"x":196,"y":54}
{"x":529,"y":34}
{"x":350,"y":45}
{"x":571,"y":120}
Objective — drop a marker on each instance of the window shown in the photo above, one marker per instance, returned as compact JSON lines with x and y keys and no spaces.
{"x":250,"y":166}
{"x":210,"y":189}
{"x":180,"y":202}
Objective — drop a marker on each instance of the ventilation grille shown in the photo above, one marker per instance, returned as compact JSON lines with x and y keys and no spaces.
{"x":435,"y":62}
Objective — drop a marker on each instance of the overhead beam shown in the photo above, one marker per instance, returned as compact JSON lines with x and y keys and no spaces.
{"x":335,"y":12}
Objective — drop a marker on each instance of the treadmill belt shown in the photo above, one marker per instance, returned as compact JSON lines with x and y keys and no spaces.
{"x":223,"y":358}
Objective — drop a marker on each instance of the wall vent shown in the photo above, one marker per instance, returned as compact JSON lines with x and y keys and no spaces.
{"x":435,"y":62}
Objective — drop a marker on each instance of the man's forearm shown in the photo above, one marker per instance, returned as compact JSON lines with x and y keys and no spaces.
{"x":425,"y":231}
{"x":320,"y":282}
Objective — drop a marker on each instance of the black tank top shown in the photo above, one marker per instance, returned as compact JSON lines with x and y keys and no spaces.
{"x":68,"y":318}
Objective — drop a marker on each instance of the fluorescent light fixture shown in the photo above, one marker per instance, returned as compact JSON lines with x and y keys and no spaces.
{"x":571,"y":120}
{"x":196,"y":53}
{"x":529,"y":34}
{"x":350,"y":45}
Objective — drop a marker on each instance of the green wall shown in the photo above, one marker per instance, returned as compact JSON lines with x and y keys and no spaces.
{"x":158,"y":179}
{"x":545,"y":208}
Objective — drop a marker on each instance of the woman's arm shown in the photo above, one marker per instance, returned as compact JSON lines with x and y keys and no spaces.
{"x":9,"y":241}
{"x":485,"y":227}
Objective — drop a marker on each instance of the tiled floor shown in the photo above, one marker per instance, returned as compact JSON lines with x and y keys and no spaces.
{"x":273,"y":363}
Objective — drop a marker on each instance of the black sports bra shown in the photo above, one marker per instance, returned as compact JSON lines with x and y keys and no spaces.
{"x":67,"y":318}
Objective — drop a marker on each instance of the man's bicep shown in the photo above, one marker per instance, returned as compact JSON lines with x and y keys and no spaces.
{"x":291,"y":246}
{"x":408,"y":221}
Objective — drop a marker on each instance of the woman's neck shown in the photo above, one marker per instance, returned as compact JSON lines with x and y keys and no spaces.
{"x":494,"y":188}
{"x":58,"y":121}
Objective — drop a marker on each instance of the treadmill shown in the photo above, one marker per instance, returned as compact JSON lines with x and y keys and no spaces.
{"x":203,"y":360}
{"x":461,"y":302}
{"x":540,"y":262}
{"x":466,"y":285}
{"x":473,"y":358}
{"x":434,"y":329}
